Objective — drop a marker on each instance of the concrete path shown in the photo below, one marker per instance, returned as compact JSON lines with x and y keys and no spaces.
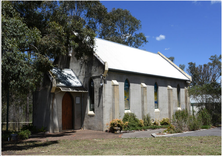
{"x":208,"y":132}
{"x":148,"y":134}
{"x":141,"y":134}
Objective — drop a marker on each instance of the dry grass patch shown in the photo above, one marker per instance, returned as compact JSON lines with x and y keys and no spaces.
{"x":207,"y":145}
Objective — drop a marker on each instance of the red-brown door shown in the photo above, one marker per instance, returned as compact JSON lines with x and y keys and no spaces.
{"x":67,"y":117}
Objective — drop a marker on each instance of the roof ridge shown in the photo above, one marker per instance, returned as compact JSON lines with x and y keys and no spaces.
{"x":125,"y":45}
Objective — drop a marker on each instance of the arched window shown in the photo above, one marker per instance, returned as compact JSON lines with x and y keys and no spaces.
{"x":127,"y":94}
{"x":178,"y":95}
{"x":156,"y":96}
{"x":91,"y":95}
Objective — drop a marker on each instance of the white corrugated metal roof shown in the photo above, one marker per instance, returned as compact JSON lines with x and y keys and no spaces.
{"x":66,"y":77}
{"x":125,"y":58}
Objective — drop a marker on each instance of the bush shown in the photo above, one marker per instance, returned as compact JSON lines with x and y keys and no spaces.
{"x":6,"y":135}
{"x":156,"y":123}
{"x":205,"y":116}
{"x":116,"y":123}
{"x":29,"y":127}
{"x":141,"y":123}
{"x":24,"y":134}
{"x":165,"y":121}
{"x":194,"y":123}
{"x":180,"y":120}
{"x":170,"y":129}
{"x":133,"y":121}
{"x":147,"y":120}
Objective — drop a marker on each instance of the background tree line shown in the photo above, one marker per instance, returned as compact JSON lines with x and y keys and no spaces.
{"x":36,"y":33}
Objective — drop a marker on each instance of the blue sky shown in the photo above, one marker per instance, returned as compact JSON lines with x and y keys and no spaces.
{"x":188,"y":31}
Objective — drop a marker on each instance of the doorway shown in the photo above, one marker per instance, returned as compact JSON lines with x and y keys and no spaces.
{"x":67,"y":112}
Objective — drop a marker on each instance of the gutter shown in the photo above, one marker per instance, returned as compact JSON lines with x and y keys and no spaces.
{"x":189,"y":77}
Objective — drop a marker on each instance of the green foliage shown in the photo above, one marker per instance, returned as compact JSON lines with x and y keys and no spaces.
{"x":133,"y":121}
{"x":165,"y":121}
{"x":205,"y":116}
{"x":120,"y":26}
{"x":147,"y":120}
{"x":24,"y":134}
{"x":6,"y":135}
{"x":30,"y":127}
{"x":194,"y":123}
{"x":170,"y":129}
{"x":180,"y":119}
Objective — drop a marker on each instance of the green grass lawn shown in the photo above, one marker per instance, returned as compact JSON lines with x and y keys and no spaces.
{"x":207,"y":145}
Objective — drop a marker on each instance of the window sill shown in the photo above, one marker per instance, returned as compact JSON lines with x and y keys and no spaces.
{"x":91,"y":113}
{"x":179,"y":108}
{"x":156,"y":110}
{"x":127,"y":111}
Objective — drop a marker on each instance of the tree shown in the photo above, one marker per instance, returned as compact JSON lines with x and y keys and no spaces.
{"x":182,"y":66}
{"x":206,"y":86}
{"x":171,"y":58}
{"x":121,"y":27}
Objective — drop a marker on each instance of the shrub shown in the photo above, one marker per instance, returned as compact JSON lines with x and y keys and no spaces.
{"x":194,"y":122}
{"x":180,"y":119}
{"x":24,"y":134}
{"x":165,"y":121}
{"x":156,"y":123}
{"x":30,"y":127}
{"x":170,"y":129}
{"x":141,"y":123}
{"x":205,"y":116}
{"x":6,"y":135}
{"x":147,"y":120}
{"x":133,"y":121}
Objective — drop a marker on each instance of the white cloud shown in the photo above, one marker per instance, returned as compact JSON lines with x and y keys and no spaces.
{"x":167,"y":48}
{"x":215,"y":1}
{"x":161,"y":37}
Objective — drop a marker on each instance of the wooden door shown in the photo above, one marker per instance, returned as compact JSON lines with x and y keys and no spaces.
{"x":67,"y":112}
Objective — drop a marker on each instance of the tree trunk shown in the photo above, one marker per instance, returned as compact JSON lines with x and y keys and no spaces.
{"x":27,"y":106}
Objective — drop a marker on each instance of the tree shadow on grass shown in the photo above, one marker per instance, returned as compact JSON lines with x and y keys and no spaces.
{"x":60,"y":134}
{"x":24,"y":145}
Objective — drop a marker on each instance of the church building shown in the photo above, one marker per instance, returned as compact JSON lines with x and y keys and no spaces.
{"x":116,"y":79}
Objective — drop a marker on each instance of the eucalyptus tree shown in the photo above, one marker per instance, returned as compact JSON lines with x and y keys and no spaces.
{"x":120,"y":26}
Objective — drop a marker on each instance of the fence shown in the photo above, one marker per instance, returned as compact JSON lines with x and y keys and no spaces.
{"x":14,"y":125}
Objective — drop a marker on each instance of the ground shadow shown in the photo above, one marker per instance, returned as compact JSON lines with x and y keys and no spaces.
{"x":60,"y":134}
{"x":24,"y":145}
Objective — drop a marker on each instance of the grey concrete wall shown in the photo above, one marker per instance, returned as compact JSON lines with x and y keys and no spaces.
{"x":90,"y":67}
{"x":135,"y":94}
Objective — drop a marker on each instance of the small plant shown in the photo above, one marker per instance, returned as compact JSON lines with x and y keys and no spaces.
{"x":170,"y":129}
{"x":147,"y":120}
{"x":43,"y":129}
{"x":116,"y":123}
{"x":141,"y":123}
{"x":24,"y":134}
{"x":165,"y":121}
{"x":30,"y":127}
{"x":133,"y":121}
{"x":156,"y":123}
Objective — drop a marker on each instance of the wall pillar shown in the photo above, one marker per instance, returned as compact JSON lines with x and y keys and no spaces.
{"x":144,"y":110}
{"x":170,"y":101}
{"x":115,"y":103}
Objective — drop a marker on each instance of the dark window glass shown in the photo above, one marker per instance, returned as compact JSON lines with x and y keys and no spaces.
{"x":91,"y":95}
